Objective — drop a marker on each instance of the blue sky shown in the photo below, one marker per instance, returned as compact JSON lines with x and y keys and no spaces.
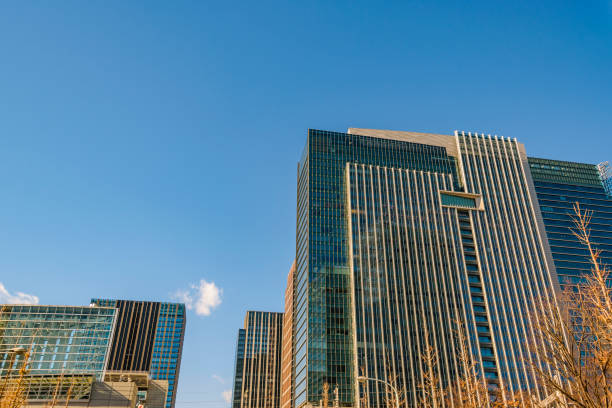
{"x":147,"y":146}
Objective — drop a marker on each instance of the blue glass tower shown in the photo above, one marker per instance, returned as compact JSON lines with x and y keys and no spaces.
{"x":559,"y":185}
{"x":238,"y":370}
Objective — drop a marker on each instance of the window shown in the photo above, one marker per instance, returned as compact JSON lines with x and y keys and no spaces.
{"x":456,"y":200}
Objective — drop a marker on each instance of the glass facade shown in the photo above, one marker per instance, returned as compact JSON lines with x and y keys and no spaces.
{"x":415,"y":276}
{"x":257,"y":375}
{"x":322,"y":310}
{"x":149,"y":337}
{"x":605,"y":173}
{"x":457,"y":201}
{"x":238,"y":369}
{"x":559,"y":185}
{"x":517,"y":275}
{"x":399,"y":236}
{"x":62,"y":339}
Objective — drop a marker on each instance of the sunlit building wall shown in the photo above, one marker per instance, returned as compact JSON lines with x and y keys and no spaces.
{"x":454,"y":216}
{"x":257,"y":373}
{"x":287,"y":345}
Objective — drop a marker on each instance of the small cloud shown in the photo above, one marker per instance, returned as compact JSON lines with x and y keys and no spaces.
{"x":227,"y":395}
{"x":19,"y":298}
{"x":203,"y":298}
{"x":218,"y":378}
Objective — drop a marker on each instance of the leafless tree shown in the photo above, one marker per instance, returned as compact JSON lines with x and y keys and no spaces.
{"x":578,"y":337}
{"x":15,"y":393}
{"x":432,"y":394}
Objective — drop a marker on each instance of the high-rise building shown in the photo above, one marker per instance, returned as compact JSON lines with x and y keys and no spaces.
{"x":238,"y":369}
{"x":257,"y":373}
{"x":286,"y":399}
{"x":605,"y":173}
{"x":403,"y":237}
{"x":62,"y":340}
{"x":559,"y":185}
{"x":148,"y":337}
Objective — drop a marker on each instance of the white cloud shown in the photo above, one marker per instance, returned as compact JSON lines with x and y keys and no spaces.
{"x":218,"y":378}
{"x":19,"y":298}
{"x":203,"y":298}
{"x":227,"y":395}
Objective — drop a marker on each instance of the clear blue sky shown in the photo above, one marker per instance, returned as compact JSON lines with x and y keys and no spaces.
{"x":145,"y":146}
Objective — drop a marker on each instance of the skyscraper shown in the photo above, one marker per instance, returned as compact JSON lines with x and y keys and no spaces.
{"x":148,"y":337}
{"x":238,"y":369}
{"x":286,"y":399}
{"x":401,"y":237}
{"x":559,"y":185}
{"x":257,"y":372}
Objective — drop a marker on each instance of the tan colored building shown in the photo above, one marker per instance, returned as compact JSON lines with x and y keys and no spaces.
{"x":257,"y":374}
{"x":119,"y":390}
{"x":286,"y":400}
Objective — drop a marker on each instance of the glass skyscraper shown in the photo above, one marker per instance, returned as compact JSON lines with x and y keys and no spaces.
{"x":559,"y":185}
{"x":400,"y":237}
{"x":148,"y":337}
{"x":238,"y":369}
{"x":257,"y":372}
{"x":323,"y":338}
{"x":63,"y":340}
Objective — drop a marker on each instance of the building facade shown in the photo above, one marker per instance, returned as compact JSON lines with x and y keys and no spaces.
{"x":401,"y":238}
{"x":286,"y":400}
{"x":257,"y":373}
{"x":130,"y":390}
{"x":238,"y":369}
{"x":148,"y":337}
{"x":323,"y":342}
{"x":62,"y":340}
{"x":559,"y":185}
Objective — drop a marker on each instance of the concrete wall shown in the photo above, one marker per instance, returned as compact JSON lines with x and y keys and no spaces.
{"x":120,"y":394}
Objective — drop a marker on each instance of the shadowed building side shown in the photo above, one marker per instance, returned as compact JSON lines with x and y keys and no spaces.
{"x":559,"y":185}
{"x":238,"y":369}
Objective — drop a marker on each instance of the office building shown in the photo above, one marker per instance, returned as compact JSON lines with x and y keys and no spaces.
{"x":257,"y":372}
{"x":401,"y":237}
{"x":559,"y":185}
{"x":238,"y":369}
{"x":286,"y":399}
{"x":62,"y":340}
{"x":148,"y":337}
{"x":605,"y":174}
